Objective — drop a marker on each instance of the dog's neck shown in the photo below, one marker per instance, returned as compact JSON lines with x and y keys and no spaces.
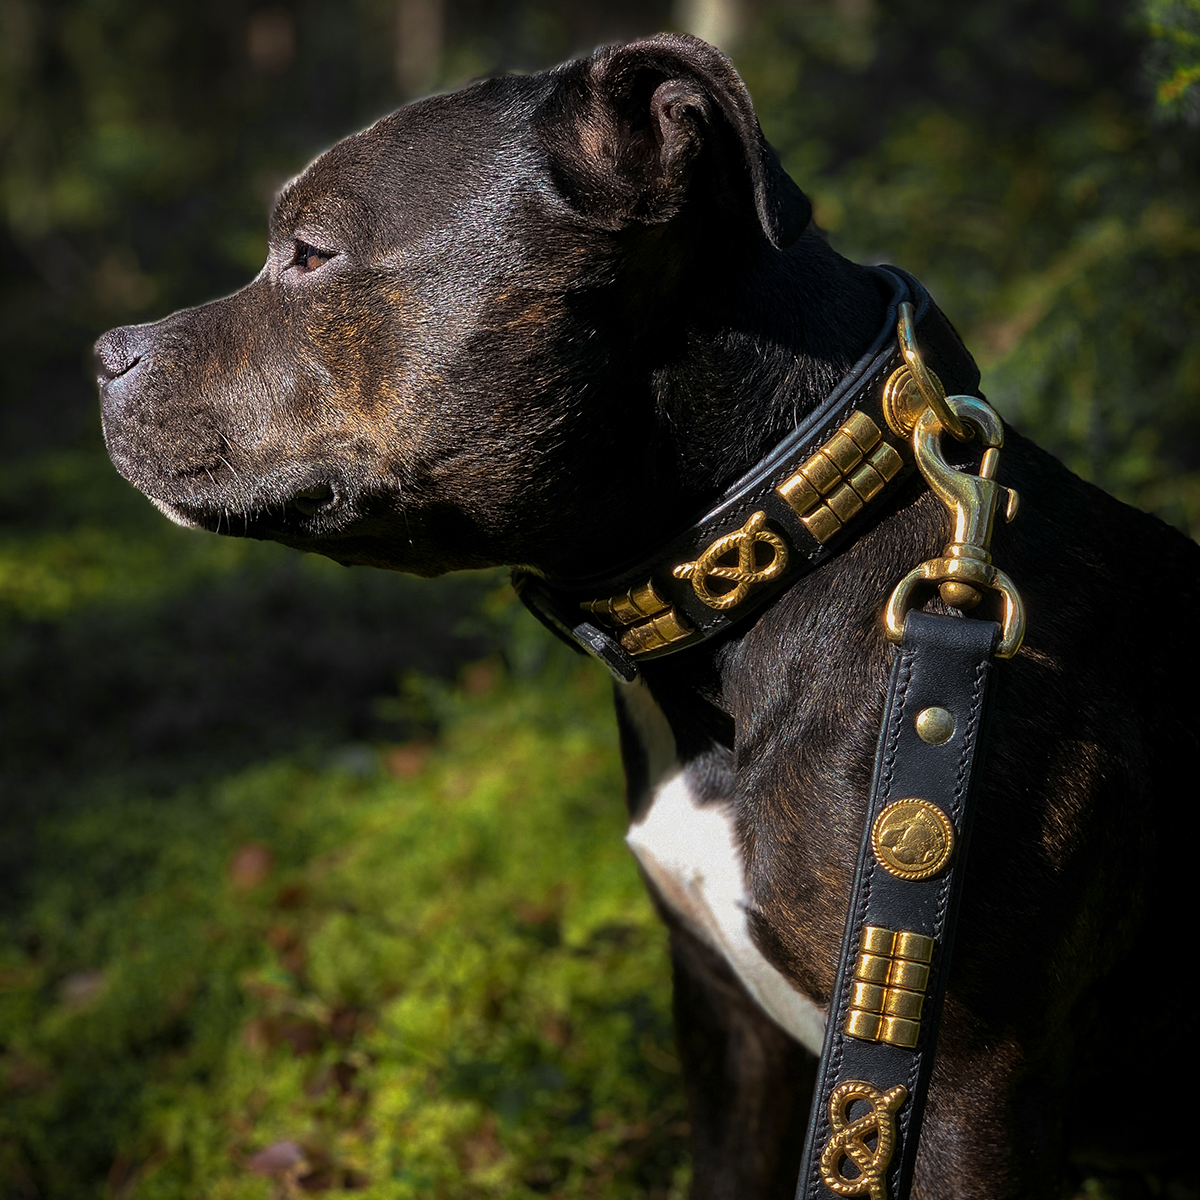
{"x":765,"y":346}
{"x":708,"y":385}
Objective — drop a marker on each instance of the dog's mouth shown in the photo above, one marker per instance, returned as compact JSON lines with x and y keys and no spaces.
{"x":319,"y":508}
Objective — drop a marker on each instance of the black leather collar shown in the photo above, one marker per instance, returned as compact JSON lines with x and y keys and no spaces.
{"x":806,"y":500}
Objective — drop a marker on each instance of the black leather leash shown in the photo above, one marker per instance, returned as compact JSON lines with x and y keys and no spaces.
{"x":882,"y":1029}
{"x":786,"y":517}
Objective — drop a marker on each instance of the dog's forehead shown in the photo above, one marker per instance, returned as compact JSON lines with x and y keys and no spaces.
{"x":416,"y":169}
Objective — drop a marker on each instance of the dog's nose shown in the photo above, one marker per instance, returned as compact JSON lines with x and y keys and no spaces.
{"x":118,"y":352}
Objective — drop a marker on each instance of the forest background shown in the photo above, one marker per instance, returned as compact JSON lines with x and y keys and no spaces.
{"x":311,"y":879}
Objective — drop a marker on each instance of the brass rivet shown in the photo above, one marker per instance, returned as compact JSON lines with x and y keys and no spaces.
{"x":935,"y":726}
{"x":960,"y":595}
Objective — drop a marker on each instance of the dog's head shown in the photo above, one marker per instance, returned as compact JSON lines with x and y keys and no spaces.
{"x":477,"y":331}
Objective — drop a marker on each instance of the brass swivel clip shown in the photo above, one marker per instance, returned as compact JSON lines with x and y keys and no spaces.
{"x":965,"y":568}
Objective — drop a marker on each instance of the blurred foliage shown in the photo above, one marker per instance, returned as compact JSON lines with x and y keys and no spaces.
{"x":1011,"y":159}
{"x":279,"y":924}
{"x":416,"y":972}
{"x":1174,"y":56}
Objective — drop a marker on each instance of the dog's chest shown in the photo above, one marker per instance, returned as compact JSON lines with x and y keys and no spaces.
{"x":690,"y":853}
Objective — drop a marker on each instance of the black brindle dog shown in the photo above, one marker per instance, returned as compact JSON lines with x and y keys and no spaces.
{"x":546,"y":321}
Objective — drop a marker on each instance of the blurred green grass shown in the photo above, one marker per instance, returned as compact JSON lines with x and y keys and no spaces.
{"x":426,"y":970}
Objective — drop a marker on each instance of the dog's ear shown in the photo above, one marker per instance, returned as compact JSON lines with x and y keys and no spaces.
{"x":633,"y":129}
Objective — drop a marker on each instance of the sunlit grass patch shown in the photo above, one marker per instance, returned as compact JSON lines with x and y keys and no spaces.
{"x":438,"y":980}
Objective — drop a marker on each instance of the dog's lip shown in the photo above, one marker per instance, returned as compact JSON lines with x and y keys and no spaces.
{"x":174,"y":512}
{"x":323,"y":498}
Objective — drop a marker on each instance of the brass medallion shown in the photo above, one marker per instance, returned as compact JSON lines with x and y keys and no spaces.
{"x":848,"y":1142}
{"x":912,"y":839}
{"x":746,"y":573}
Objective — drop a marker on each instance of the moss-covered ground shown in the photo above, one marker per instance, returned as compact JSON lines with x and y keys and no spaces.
{"x":423,"y":968}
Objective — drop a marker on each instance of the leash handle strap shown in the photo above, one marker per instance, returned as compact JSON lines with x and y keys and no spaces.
{"x":870,"y":1096}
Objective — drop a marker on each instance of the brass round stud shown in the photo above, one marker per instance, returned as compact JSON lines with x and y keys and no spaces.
{"x":912,"y":839}
{"x":935,"y":726}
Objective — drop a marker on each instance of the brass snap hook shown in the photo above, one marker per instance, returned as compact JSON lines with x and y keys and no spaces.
{"x":965,"y":568}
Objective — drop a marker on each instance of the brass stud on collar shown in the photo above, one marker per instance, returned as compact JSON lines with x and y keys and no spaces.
{"x":935,"y":726}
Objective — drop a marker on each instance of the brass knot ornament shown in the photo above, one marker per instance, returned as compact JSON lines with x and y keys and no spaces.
{"x":912,"y":839}
{"x":746,"y":573}
{"x":848,"y":1142}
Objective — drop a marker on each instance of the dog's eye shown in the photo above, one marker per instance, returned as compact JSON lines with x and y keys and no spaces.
{"x":309,"y":258}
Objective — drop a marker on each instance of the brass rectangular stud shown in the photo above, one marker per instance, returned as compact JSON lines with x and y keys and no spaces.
{"x":671,"y":626}
{"x":914,"y":946}
{"x":799,"y":493}
{"x":911,"y":975}
{"x":831,"y":486}
{"x":602,"y":608}
{"x":640,"y":638}
{"x":873,"y":968}
{"x":862,"y":429}
{"x":629,"y":607}
{"x":878,"y":940}
{"x":869,"y":996}
{"x":822,"y":523}
{"x":898,"y":1032}
{"x":845,"y":502}
{"x":900,"y":961}
{"x":623,"y":610}
{"x":900,"y":1003}
{"x":886,"y":461}
{"x":863,"y":1025}
{"x":637,"y":604}
{"x":821,"y":473}
{"x":646,"y":600}
{"x":658,"y":631}
{"x":867,"y":482}
{"x":842,"y":450}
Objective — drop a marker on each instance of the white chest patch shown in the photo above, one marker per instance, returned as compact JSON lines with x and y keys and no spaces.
{"x":690,"y":852}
